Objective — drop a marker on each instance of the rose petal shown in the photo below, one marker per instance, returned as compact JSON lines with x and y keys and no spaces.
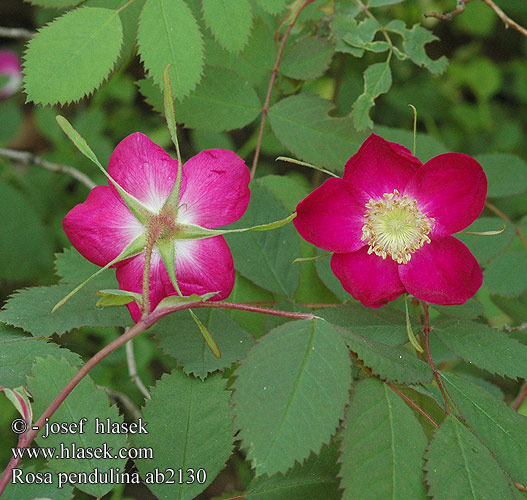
{"x":202,"y":266}
{"x":368,"y":278}
{"x":331,"y":217}
{"x":442,"y":272}
{"x":216,"y":191}
{"x":451,"y":188}
{"x":379,"y":167}
{"x":130,"y":277}
{"x":10,"y":67}
{"x":102,"y":226}
{"x":144,"y":170}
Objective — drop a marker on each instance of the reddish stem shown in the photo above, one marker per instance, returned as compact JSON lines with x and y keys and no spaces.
{"x":274,"y":72}
{"x":143,"y":324}
{"x":437,"y":376}
{"x":412,"y":403}
{"x":521,"y":396}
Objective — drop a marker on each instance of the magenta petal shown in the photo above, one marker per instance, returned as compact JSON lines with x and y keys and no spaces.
{"x":10,"y":67}
{"x":442,"y":272}
{"x":215,"y":192}
{"x":451,"y":188}
{"x":379,"y":167}
{"x":102,"y":226}
{"x":130,"y":277}
{"x":331,"y":217}
{"x":368,"y":278}
{"x":204,"y":266}
{"x":144,"y":170}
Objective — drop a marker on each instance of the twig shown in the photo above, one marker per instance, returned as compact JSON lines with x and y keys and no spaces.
{"x":274,"y":72}
{"x":461,"y":5}
{"x":239,"y":497}
{"x":502,"y":216}
{"x":437,"y":376}
{"x":16,"y":33}
{"x":413,"y":404}
{"x":132,"y":370}
{"x":143,"y":324}
{"x":125,"y":401}
{"x":519,"y":328}
{"x":27,"y":158}
{"x":520,"y":397}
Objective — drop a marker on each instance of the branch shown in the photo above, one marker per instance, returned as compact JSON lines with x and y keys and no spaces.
{"x":521,"y":396}
{"x":461,"y":6}
{"x":16,"y":33}
{"x":274,"y":72}
{"x":413,"y":404}
{"x":143,"y":324}
{"x":26,"y":158}
{"x":126,"y":402}
{"x":132,"y":369}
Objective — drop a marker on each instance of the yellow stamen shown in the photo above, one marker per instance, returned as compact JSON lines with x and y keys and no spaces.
{"x":394,"y":226}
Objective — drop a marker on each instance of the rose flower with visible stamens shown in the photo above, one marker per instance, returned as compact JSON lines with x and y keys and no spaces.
{"x":214,"y":192}
{"x":389,"y":222}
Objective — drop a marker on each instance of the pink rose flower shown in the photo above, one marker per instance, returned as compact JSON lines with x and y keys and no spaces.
{"x":10,"y":68}
{"x":389,"y":222}
{"x":214,"y":192}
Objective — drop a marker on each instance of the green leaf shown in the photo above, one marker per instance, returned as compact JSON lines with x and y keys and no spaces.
{"x":49,"y":376}
{"x":38,"y":491}
{"x":26,"y":246}
{"x":496,"y":425}
{"x":272,"y":6}
{"x":302,"y":124}
{"x":394,"y":364}
{"x":384,"y":325}
{"x":230,"y":22}
{"x":485,"y":347}
{"x":459,"y":467}
{"x":362,"y":34}
{"x":178,"y":337}
{"x":308,"y":58}
{"x":506,"y":174}
{"x":151,"y":93}
{"x":484,"y":248}
{"x":224,"y":95}
{"x":325,"y":273}
{"x":341,"y":25}
{"x":507,"y":274}
{"x":55,"y":4}
{"x":197,"y":433}
{"x":471,"y":309}
{"x":169,"y":34}
{"x":18,"y":353}
{"x":382,"y":447}
{"x":315,"y":479}
{"x":377,"y":81}
{"x":178,"y":300}
{"x":282,"y":413}
{"x":69,"y":58}
{"x":265,"y":257}
{"x":30,"y":309}
{"x":117,"y":298}
{"x":414,"y":41}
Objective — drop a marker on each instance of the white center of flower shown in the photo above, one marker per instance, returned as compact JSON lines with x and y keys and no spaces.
{"x":394,"y":226}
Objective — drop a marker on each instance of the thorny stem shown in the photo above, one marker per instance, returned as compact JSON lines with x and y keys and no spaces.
{"x":274,"y":72}
{"x":460,"y":8}
{"x":502,"y":216}
{"x":413,"y":404}
{"x":437,"y":376}
{"x":26,"y":158}
{"x":132,"y":370}
{"x":521,"y":396}
{"x":144,"y":323}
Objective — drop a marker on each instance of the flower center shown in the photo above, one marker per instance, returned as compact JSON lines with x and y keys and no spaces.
{"x":394,"y":226}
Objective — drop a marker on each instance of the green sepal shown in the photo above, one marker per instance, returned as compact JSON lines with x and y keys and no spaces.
{"x":167,"y":250}
{"x":206,"y":335}
{"x":306,"y":164}
{"x":192,"y":232}
{"x":170,"y":116}
{"x":117,"y":298}
{"x":179,"y":300}
{"x":409,"y":330}
{"x":141,"y":212}
{"x":134,"y":248}
{"x":11,"y":394}
{"x":310,"y":259}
